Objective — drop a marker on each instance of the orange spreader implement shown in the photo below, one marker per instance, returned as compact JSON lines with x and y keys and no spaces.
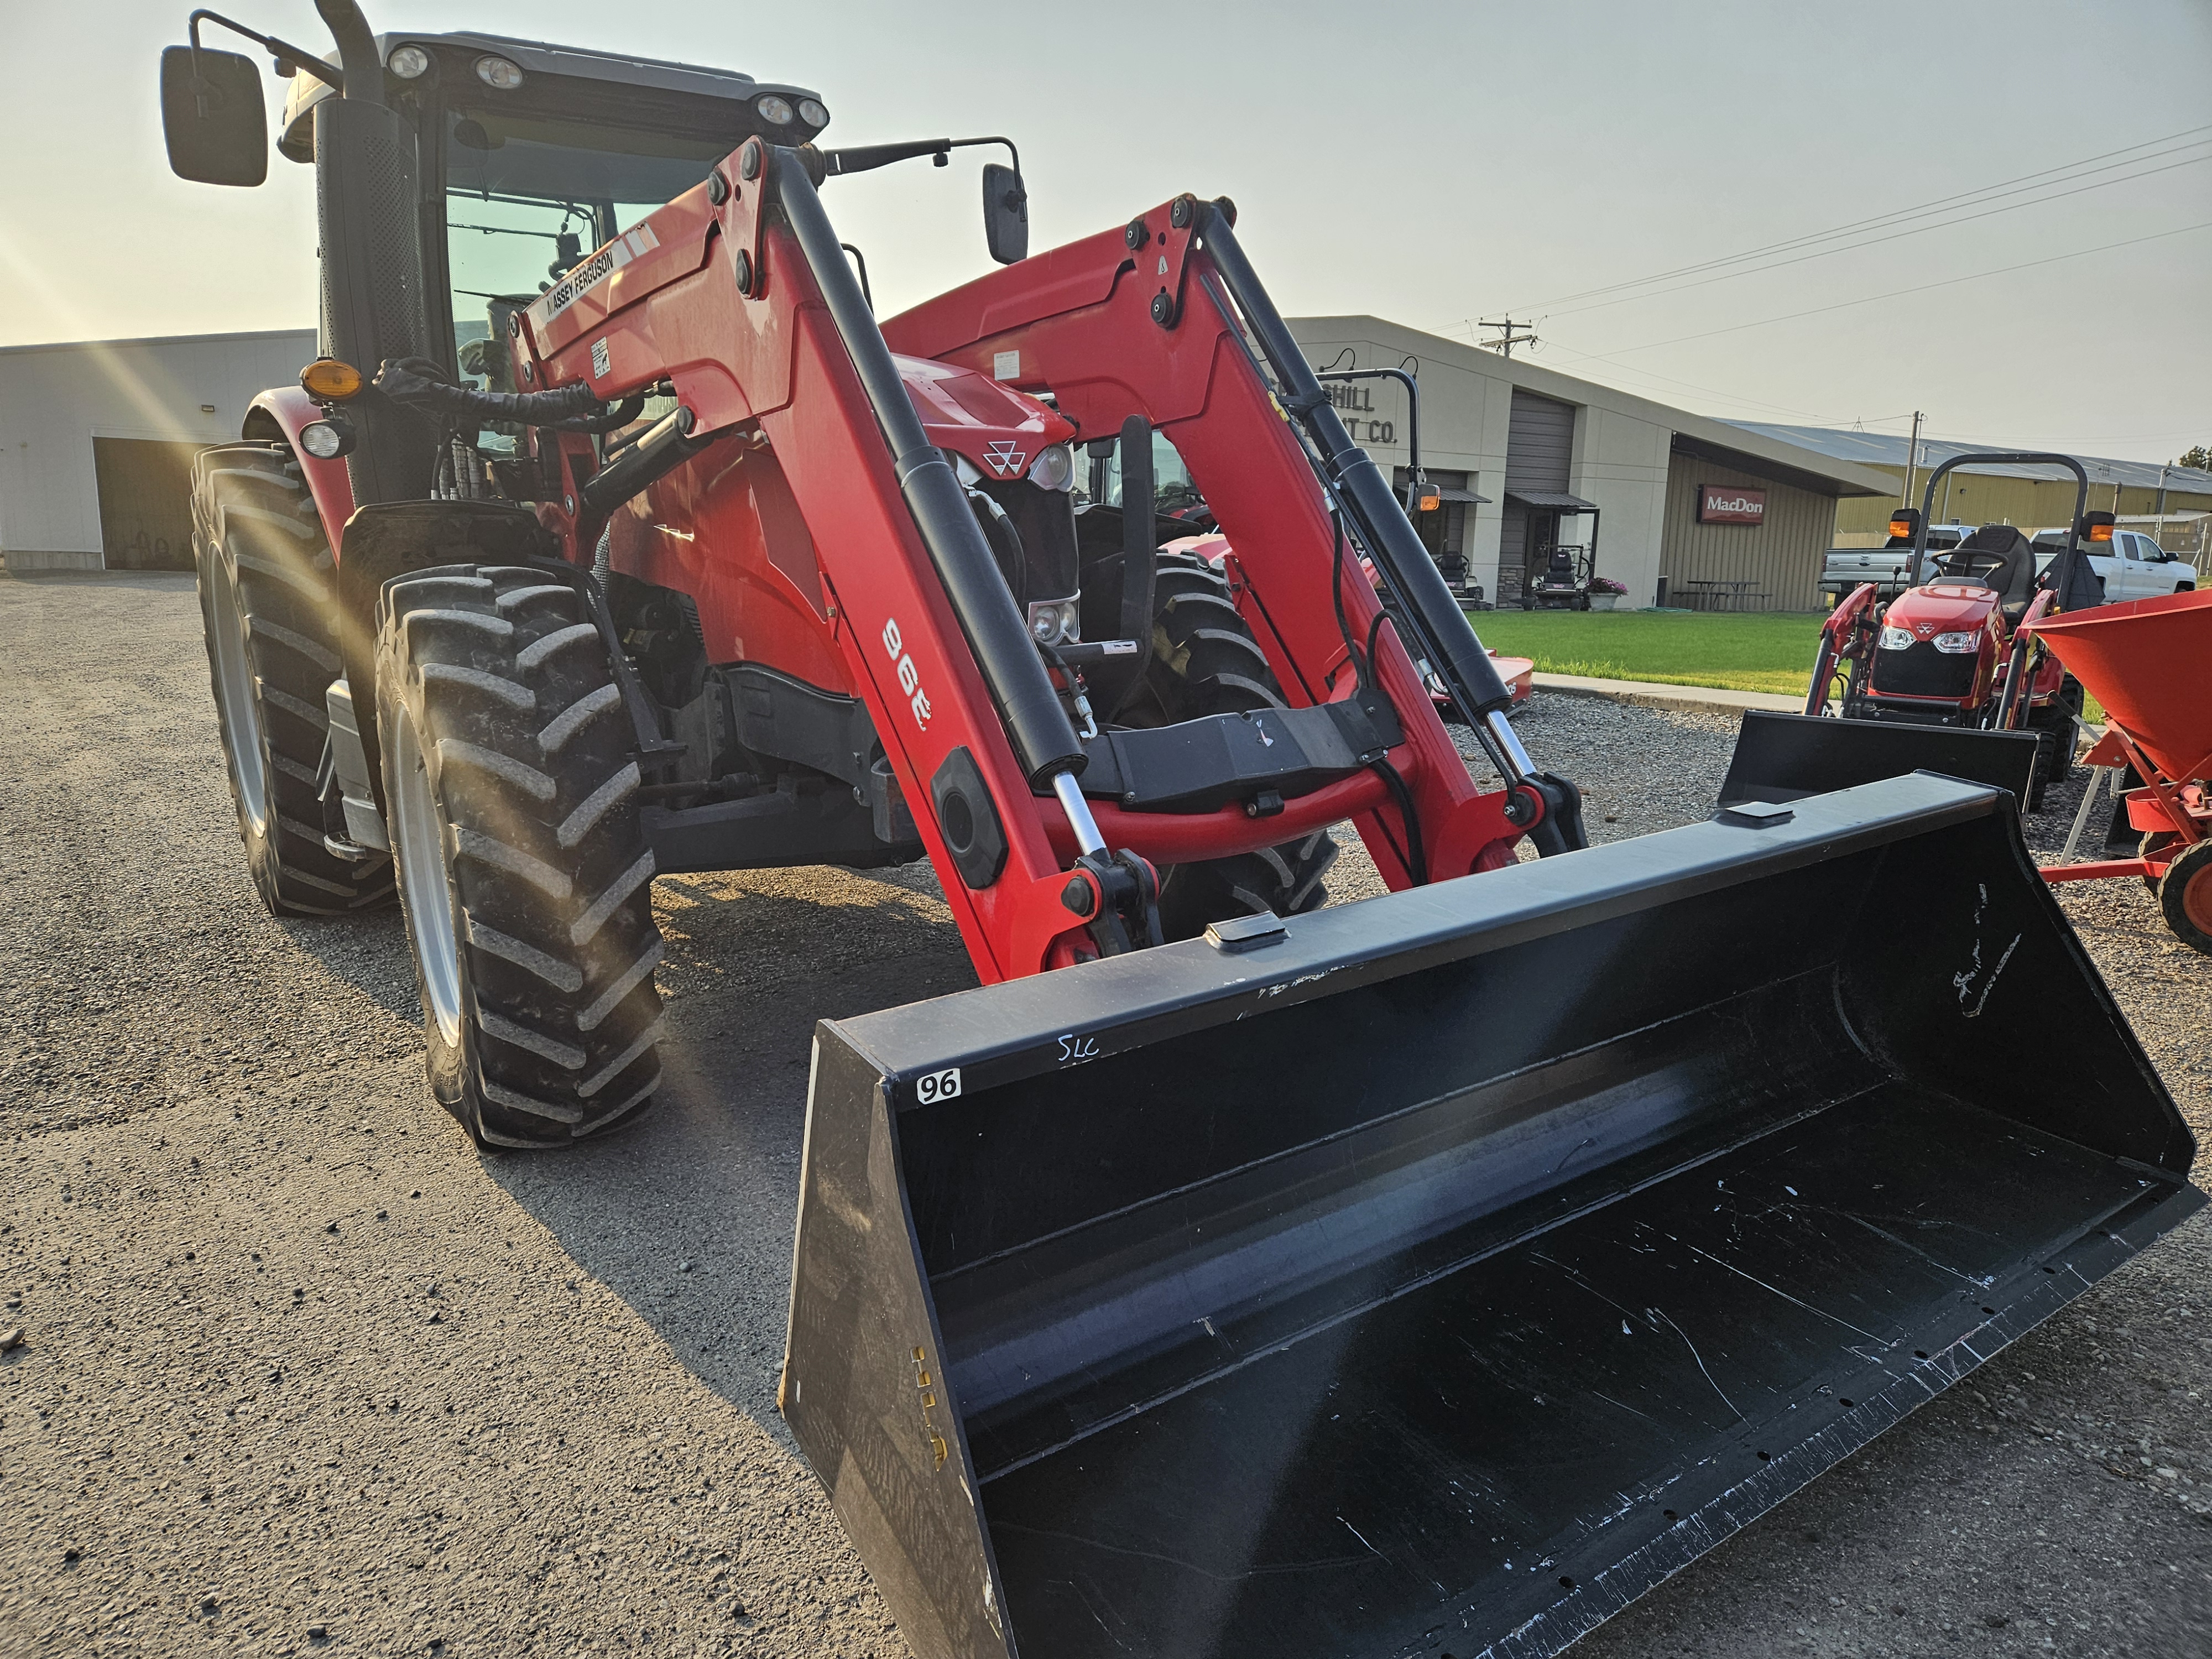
{"x":2149,"y":662}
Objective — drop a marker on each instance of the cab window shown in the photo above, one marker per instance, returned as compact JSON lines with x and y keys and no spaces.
{"x":527,"y":199}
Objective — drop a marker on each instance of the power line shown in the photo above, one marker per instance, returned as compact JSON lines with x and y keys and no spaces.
{"x":1875,"y":241}
{"x":1710,"y":392}
{"x":1880,"y":219}
{"x":1924,"y":287}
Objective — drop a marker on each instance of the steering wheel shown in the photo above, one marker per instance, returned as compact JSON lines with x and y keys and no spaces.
{"x":1963,"y":564}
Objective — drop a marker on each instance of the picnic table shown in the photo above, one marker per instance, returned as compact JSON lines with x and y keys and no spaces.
{"x":1717,"y":593}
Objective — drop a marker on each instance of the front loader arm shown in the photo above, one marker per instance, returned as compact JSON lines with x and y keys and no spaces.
{"x":1138,"y":321}
{"x":762,"y":342}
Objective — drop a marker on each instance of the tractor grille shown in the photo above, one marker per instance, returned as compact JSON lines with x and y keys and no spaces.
{"x":1920,"y":670}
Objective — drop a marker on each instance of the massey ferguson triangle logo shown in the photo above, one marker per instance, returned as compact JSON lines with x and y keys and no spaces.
{"x":1005,"y":461}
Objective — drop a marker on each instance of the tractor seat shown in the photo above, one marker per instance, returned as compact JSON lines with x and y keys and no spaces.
{"x":2012,"y":579}
{"x":1562,"y":564}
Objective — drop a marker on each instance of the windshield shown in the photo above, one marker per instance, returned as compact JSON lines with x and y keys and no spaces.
{"x":1174,"y":492}
{"x":526,"y":199}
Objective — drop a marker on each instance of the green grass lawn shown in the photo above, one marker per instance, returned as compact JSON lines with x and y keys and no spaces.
{"x":1753,"y":651}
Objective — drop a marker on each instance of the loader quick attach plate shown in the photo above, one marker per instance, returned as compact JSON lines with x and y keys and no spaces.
{"x":1440,"y":1278}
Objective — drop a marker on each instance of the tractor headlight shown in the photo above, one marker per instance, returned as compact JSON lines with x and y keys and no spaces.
{"x":1055,"y":622}
{"x":409,"y":63}
{"x":327,"y":439}
{"x":1897,"y":639}
{"x":775,"y":111}
{"x":812,"y":113}
{"x":1958,"y":645}
{"x":1054,"y":469}
{"x":499,"y":73}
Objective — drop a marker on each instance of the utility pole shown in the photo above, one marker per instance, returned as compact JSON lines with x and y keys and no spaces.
{"x":1911,"y":459}
{"x":1507,"y":339}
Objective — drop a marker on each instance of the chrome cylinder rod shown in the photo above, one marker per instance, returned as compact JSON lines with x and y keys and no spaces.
{"x":1087,"y":838}
{"x":1517,"y":765}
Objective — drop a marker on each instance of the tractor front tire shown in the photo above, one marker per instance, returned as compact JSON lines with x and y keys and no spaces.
{"x":2184,"y":897}
{"x":2057,"y":728}
{"x":512,"y":780}
{"x":1205,"y":662}
{"x":264,"y":569}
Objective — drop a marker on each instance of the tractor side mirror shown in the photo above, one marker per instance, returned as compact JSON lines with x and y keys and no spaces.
{"x":1005,"y":215}
{"x":213,"y":119}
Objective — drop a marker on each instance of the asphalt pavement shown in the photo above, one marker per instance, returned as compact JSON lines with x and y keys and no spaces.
{"x":296,"y":1370}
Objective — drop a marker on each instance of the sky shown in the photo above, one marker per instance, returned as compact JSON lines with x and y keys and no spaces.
{"x":1434,"y":164}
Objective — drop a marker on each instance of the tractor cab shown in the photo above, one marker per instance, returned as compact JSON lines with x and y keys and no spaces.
{"x":531,"y":157}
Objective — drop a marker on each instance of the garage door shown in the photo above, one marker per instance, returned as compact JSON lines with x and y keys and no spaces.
{"x":145,"y":502}
{"x":1540,"y":443}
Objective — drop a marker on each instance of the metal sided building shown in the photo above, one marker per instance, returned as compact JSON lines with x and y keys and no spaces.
{"x":2032,"y":497}
{"x":1688,"y":511}
{"x":97,"y":439}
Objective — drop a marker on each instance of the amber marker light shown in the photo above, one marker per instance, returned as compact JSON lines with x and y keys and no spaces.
{"x":327,"y":378}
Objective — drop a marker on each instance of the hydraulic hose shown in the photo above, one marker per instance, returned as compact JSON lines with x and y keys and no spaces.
{"x":418,"y":382}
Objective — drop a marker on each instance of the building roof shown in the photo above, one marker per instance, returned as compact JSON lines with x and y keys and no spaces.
{"x":1887,"y":449}
{"x":1553,"y":500}
{"x":157,"y":340}
{"x":1799,"y":464}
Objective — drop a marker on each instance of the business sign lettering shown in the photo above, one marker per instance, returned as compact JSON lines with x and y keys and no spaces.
{"x":1731,"y":504}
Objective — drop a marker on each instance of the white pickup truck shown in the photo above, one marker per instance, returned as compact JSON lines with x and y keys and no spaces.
{"x":1845,"y":568}
{"x":2133,"y":566}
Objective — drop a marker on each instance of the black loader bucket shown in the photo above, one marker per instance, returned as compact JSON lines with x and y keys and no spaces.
{"x":1785,"y":757}
{"x":1442,"y":1275}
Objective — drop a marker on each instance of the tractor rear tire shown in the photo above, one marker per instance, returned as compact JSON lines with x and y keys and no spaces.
{"x":512,"y":779}
{"x":2186,"y":897}
{"x":263,"y":568}
{"x":1205,"y":662}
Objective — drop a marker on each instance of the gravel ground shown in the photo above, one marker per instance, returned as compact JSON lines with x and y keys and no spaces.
{"x":298,"y":1371}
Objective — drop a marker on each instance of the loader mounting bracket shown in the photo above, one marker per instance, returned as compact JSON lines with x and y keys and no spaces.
{"x":1202,"y":765}
{"x":1126,"y":910}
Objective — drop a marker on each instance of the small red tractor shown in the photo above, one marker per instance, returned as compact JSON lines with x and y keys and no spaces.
{"x":1225,"y":1275}
{"x":1952,"y":669}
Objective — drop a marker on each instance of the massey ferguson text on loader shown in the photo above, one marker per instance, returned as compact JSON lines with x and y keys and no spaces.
{"x":1430,"y":1274}
{"x":1949,"y":677}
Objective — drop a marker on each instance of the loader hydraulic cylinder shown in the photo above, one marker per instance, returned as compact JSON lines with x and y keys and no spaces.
{"x":1443,"y":637}
{"x":665,"y":446}
{"x":1043,"y":737}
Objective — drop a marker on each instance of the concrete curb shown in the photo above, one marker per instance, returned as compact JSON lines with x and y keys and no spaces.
{"x":1649,"y":693}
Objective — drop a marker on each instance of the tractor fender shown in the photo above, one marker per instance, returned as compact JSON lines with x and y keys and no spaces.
{"x":277,"y":416}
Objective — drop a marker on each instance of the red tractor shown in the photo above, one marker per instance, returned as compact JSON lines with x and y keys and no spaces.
{"x":1951,"y":669}
{"x":612,"y":535}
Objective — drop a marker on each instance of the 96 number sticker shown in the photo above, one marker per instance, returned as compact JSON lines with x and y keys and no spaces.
{"x":938,"y":1085}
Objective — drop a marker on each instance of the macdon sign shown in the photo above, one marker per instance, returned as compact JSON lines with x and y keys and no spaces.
{"x":1728,"y":504}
